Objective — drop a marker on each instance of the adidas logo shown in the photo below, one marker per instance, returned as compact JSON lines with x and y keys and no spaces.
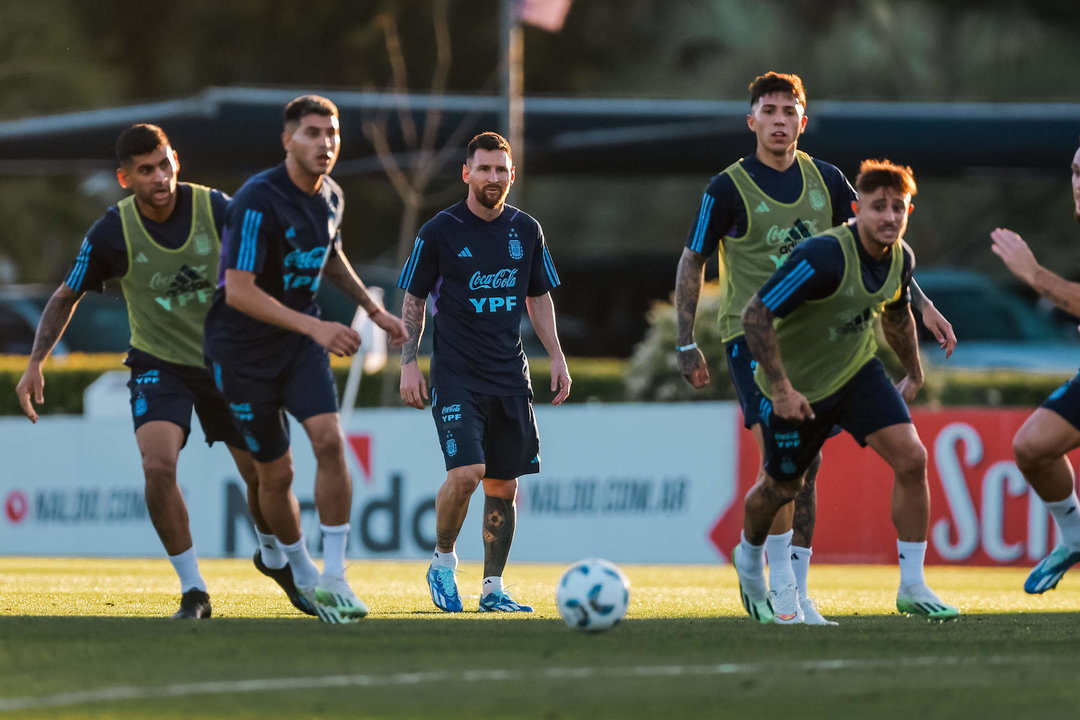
{"x":465,"y":252}
{"x":794,"y":556}
{"x":902,"y":556}
{"x":141,"y":258}
{"x":763,"y":207}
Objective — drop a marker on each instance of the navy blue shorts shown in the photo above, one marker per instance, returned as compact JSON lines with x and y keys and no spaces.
{"x":298,"y":379}
{"x":492,"y":430}
{"x":740,"y":365}
{"x":1065,"y":401}
{"x":866,"y":404}
{"x":162,"y":390}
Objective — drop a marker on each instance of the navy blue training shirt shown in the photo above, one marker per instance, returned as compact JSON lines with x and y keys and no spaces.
{"x":826,"y":261}
{"x":479,"y":274}
{"x":726,"y":212}
{"x":283,"y":235}
{"x":103,"y":254}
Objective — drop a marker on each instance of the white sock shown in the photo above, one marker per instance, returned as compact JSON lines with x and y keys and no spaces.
{"x":186,"y":565}
{"x":800,"y":565}
{"x":778,"y":555}
{"x":751,"y":557}
{"x":491,"y":584}
{"x":911,"y":556}
{"x":334,"y":540}
{"x":304,"y":571}
{"x":1066,"y":515}
{"x":441,"y":559}
{"x":272,"y":556}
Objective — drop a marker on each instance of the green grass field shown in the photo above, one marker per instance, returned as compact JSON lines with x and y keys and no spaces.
{"x":86,"y":638}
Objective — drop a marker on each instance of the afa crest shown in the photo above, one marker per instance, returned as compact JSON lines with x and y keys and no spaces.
{"x":514,"y":246}
{"x":140,"y":405}
{"x":451,"y":447}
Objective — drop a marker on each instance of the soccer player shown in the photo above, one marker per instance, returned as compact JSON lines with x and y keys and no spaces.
{"x":757,"y":211}
{"x":162,"y":242}
{"x":1054,"y":428}
{"x":816,"y":369}
{"x":482,"y":261}
{"x":268,"y":347}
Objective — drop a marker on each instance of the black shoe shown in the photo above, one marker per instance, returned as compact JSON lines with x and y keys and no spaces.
{"x":194,"y":605}
{"x":283,"y":577}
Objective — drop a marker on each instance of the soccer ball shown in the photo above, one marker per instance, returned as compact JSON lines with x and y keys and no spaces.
{"x":593,"y":595}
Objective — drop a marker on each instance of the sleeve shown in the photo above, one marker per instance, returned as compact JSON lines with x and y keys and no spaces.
{"x":421,"y":270}
{"x":102,"y":255}
{"x":219,"y":203}
{"x":813,"y":270}
{"x":841,"y":194}
{"x":716,"y":215}
{"x":542,"y":277}
{"x":904,"y":296}
{"x":249,"y":227}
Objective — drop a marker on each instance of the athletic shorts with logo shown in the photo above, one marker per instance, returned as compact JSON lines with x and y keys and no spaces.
{"x":493,"y":430}
{"x":162,"y":390}
{"x":297,"y":379}
{"x":866,"y":404}
{"x":1065,"y":401}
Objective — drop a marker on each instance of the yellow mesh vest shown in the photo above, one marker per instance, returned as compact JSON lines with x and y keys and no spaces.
{"x":773,"y":229}
{"x":823,"y":343}
{"x":168,"y":291}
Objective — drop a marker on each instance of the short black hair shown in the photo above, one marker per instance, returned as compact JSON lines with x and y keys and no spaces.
{"x":309,"y":105}
{"x":139,"y":140}
{"x":488,"y":141}
{"x":774,"y":82}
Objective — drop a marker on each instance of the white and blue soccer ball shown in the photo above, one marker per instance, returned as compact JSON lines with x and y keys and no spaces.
{"x":593,"y":595}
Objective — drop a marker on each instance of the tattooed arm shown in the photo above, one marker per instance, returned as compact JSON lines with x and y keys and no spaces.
{"x":54,"y":320}
{"x":1017,"y":256}
{"x":413,"y":388}
{"x":899,"y":327}
{"x":688,"y":280}
{"x":932,"y":319}
{"x":761,"y":338}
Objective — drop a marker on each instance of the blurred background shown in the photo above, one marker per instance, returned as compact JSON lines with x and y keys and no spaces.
{"x":629,"y":107}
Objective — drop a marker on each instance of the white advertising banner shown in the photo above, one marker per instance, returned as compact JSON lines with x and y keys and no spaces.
{"x":632,"y":483}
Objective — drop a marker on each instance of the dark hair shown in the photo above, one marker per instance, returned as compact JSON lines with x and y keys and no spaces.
{"x":874,"y":174}
{"x":488,"y":141}
{"x":304,"y":105}
{"x":774,"y":82}
{"x":139,"y":140}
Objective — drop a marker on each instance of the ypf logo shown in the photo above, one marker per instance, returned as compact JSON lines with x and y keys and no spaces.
{"x":16,"y":506}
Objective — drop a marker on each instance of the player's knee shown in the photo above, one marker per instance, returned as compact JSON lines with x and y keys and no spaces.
{"x":465,"y":480}
{"x":159,"y":469}
{"x":910,"y":465}
{"x":328,"y":445}
{"x":1029,"y":450}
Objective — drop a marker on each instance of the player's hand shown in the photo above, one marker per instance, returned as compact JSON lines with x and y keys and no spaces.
{"x":413,"y":388}
{"x":1015,"y":253}
{"x":395,"y":329}
{"x":693,"y":368}
{"x":560,"y":380}
{"x":338,"y":339}
{"x":791,"y":404}
{"x":31,"y":389}
{"x":909,"y":387}
{"x":940,"y":328}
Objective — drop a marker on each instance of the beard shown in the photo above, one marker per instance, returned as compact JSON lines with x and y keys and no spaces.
{"x":491,"y":201}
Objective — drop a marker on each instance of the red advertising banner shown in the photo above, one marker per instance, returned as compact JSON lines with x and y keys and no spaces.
{"x":982,"y":511}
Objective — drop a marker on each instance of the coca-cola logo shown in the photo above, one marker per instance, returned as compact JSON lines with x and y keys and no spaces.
{"x":503,"y":279}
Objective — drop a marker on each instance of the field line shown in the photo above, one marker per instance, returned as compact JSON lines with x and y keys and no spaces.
{"x":478,"y":676}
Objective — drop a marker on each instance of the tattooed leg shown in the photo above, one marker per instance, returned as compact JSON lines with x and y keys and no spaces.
{"x":500,"y":519}
{"x":806,"y":507}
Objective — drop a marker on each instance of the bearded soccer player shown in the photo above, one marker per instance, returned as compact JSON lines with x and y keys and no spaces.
{"x":756,"y":212}
{"x":810,"y":326}
{"x":1053,"y":429}
{"x":482,"y":261}
{"x":164,"y":229}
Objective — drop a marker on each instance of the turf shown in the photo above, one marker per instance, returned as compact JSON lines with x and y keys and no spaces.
{"x":86,"y":638}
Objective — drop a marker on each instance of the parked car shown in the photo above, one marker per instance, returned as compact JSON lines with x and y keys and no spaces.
{"x":100,"y":323}
{"x":996,"y":326}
